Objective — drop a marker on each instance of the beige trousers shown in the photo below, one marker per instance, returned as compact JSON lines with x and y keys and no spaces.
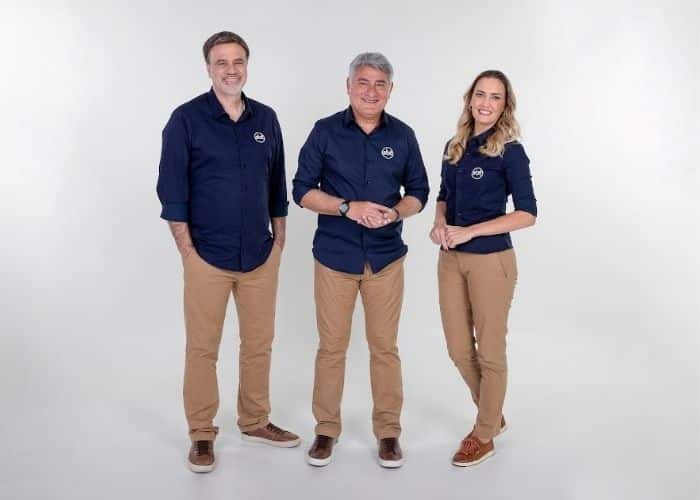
{"x":207,"y":290}
{"x":476,"y":291}
{"x":382,"y":296}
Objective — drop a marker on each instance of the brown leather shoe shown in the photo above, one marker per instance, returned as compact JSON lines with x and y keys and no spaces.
{"x":390,"y":454}
{"x":272,"y":435}
{"x":201,"y":457}
{"x":472,"y":451}
{"x":321,"y":452}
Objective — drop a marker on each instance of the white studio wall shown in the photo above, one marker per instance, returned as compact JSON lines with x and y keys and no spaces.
{"x":603,"y":339}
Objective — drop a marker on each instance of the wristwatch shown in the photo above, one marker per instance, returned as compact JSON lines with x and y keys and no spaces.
{"x":343,"y":208}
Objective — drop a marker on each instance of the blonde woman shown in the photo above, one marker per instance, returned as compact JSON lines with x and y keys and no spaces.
{"x":482,"y":165}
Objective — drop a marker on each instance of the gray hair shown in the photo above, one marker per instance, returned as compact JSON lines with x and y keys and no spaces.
{"x":373,"y":60}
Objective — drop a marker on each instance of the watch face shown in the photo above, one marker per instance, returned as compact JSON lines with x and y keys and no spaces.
{"x":343,"y":208}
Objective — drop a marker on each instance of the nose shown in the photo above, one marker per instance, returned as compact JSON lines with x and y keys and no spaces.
{"x":484,"y":105}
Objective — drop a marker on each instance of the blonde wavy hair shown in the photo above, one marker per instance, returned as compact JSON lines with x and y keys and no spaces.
{"x":506,"y":128}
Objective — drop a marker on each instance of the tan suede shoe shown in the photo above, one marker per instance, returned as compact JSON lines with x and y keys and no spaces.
{"x":272,"y":435}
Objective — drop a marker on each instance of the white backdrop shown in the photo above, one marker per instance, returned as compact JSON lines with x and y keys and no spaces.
{"x":603,"y":346}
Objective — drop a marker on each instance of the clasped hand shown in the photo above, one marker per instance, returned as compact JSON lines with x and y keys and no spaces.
{"x":450,"y":236}
{"x":371,"y":215}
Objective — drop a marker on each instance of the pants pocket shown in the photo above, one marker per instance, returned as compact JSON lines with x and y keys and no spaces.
{"x":508,"y":264}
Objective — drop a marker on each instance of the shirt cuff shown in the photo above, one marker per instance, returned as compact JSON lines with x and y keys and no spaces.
{"x":176,"y":212}
{"x":421,"y":195}
{"x":300,"y":191}
{"x":279,"y":209}
{"x":529,"y":206}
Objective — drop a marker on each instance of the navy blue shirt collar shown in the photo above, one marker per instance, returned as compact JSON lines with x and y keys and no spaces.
{"x":217,"y":110}
{"x":349,"y":117}
{"x":476,"y":141}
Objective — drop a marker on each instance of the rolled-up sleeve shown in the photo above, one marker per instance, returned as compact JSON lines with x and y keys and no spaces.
{"x":519,"y":179}
{"x":279,"y":205}
{"x":173,"y":172}
{"x":442,"y":194}
{"x":310,"y":166}
{"x":415,"y":180}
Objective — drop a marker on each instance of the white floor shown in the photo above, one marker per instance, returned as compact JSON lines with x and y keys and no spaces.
{"x":108,"y":424}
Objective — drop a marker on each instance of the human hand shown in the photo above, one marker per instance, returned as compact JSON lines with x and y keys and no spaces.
{"x":371,"y":215}
{"x":186,"y":251}
{"x":390,"y":216}
{"x":438,"y":235}
{"x":456,"y":235}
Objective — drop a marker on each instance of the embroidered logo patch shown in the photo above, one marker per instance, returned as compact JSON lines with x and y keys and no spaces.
{"x":259,"y":137}
{"x":477,"y":173}
{"x":387,"y":152}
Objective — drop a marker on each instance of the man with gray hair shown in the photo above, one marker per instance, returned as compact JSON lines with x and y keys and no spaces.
{"x":351,"y":172}
{"x":222,"y":185}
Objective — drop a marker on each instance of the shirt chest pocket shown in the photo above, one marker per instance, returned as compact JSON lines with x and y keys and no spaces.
{"x":389,"y":165}
{"x":492,"y":189}
{"x":260,"y":156}
{"x":480,"y":187}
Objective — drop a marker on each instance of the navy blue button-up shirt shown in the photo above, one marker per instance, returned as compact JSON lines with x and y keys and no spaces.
{"x":343,"y":161}
{"x":477,"y":187}
{"x":225,"y":179}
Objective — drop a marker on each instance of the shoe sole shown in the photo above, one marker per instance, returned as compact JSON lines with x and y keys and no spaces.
{"x":391,"y":464}
{"x":475,"y":462}
{"x":199,"y":469}
{"x":319,"y":462}
{"x":269,"y":442}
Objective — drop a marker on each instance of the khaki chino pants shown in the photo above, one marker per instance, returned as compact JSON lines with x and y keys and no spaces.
{"x":476,"y":291}
{"x":382,"y":296}
{"x":207,"y":290}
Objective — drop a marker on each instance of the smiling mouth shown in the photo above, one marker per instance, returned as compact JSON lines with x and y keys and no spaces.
{"x":484,"y":112}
